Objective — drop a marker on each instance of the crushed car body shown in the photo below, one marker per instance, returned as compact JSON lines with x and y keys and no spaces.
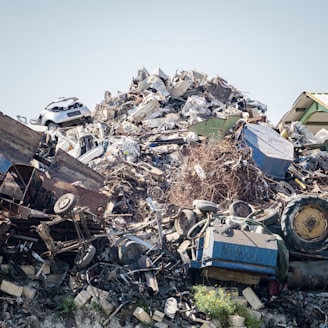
{"x":64,"y":111}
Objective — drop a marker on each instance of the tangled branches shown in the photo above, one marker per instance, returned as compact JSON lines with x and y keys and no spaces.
{"x":218,"y":170}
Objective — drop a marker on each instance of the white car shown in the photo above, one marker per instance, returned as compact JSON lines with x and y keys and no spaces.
{"x":63,"y":112}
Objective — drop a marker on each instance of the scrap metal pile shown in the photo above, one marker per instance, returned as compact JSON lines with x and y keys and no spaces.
{"x":117,"y":211}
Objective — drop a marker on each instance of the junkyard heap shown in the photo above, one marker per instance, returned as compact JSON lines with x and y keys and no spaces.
{"x":179,"y":181}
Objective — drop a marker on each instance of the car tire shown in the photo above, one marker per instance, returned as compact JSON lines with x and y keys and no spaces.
{"x":84,"y":257}
{"x":240,"y":208}
{"x":205,"y":206}
{"x":52,"y":125}
{"x":304,"y":224}
{"x":172,"y":211}
{"x":65,"y":204}
{"x":285,"y":188}
{"x":270,"y":216}
{"x":88,"y":120}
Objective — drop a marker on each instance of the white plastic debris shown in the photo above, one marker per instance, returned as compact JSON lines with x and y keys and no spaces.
{"x":171,"y":307}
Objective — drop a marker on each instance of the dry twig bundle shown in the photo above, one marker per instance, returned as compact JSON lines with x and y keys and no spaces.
{"x":218,"y":170}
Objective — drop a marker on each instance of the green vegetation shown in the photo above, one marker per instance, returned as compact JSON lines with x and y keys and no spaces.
{"x":97,"y":307}
{"x":141,"y":302}
{"x":250,"y":320}
{"x":217,"y":304}
{"x":67,"y":306}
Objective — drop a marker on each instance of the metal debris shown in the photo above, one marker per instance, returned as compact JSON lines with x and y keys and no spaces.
{"x":159,"y":170}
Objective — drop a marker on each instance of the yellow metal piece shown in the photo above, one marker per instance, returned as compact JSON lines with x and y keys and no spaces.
{"x":300,"y":183}
{"x":310,"y":223}
{"x":284,"y":133}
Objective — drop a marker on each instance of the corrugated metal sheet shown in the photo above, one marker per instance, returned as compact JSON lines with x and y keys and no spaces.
{"x":321,"y":98}
{"x":299,"y":111}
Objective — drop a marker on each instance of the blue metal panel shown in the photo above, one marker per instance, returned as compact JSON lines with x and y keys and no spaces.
{"x":238,"y":251}
{"x":4,"y":164}
{"x":242,"y":253}
{"x":271,"y":152}
{"x":236,"y":266}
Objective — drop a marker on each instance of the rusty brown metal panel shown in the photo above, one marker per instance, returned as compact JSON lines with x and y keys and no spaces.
{"x":70,"y":169}
{"x":18,"y":142}
{"x":84,"y":197}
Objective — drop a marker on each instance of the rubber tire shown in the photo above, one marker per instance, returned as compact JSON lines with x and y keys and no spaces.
{"x":205,"y":206}
{"x":172,"y":211}
{"x":65,"y":204}
{"x":88,"y":120}
{"x":271,"y":216}
{"x":184,"y":221}
{"x":291,"y":211}
{"x":285,"y":188}
{"x":83,"y":258}
{"x":240,"y":208}
{"x":52,"y":126}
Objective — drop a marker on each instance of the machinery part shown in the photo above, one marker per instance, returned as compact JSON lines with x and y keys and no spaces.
{"x":184,"y":221}
{"x":240,"y":208}
{"x":65,"y":204}
{"x":205,"y":205}
{"x":52,"y":126}
{"x":234,"y":255}
{"x":144,"y":262}
{"x":172,"y":211}
{"x":304,"y":223}
{"x":268,"y":217}
{"x":285,"y":188}
{"x":85,"y":256}
{"x":129,"y":251}
{"x":156,"y":193}
{"x":235,"y":221}
{"x":203,"y":224}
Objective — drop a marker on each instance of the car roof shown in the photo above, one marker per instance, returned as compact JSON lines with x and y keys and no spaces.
{"x":63,"y":100}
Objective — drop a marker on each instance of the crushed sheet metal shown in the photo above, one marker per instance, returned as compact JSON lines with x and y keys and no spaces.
{"x":140,"y":241}
{"x":214,"y":127}
{"x":17,"y":141}
{"x":70,"y":169}
{"x":84,"y":197}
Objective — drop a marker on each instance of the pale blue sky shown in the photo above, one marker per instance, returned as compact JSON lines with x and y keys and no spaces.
{"x":271,"y":50}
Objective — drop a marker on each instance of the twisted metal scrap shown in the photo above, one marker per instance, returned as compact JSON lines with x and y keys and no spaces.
{"x":218,"y":170}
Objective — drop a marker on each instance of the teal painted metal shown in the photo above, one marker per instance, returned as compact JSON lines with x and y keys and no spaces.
{"x":214,"y":127}
{"x":237,"y":250}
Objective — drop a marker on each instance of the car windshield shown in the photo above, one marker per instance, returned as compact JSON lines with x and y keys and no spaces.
{"x":63,"y":104}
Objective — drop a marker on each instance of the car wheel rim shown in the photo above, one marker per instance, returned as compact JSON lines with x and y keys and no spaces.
{"x":64,"y":203}
{"x":311,"y":223}
{"x":242,"y":210}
